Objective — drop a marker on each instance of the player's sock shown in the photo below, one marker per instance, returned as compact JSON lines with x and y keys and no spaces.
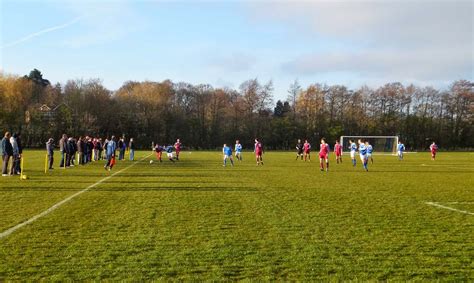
{"x":327,"y":166}
{"x":232,"y":162}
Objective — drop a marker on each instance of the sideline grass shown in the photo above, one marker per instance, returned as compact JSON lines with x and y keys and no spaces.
{"x":285,"y":220}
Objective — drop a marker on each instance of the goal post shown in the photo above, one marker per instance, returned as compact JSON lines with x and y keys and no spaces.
{"x":380,"y":144}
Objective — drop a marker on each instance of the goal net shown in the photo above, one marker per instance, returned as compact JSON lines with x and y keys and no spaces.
{"x":380,"y":144}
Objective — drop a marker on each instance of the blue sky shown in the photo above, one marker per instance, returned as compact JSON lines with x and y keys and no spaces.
{"x":224,"y":43}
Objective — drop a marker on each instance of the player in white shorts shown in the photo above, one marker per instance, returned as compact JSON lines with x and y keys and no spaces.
{"x":353,"y":148}
{"x":370,"y":149}
{"x":400,"y":150}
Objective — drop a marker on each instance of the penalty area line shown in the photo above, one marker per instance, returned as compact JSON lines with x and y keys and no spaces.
{"x":449,"y":208}
{"x":9,"y":231}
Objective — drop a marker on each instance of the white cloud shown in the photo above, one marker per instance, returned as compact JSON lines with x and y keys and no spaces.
{"x":403,"y":40}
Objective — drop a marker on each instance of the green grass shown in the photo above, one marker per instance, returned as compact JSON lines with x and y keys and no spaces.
{"x":196,"y":220}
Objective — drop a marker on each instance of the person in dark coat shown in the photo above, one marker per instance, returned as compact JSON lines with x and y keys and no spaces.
{"x":74,"y":150}
{"x":69,"y":151}
{"x":120,"y":148}
{"x":7,"y":153}
{"x":20,"y":152}
{"x":90,"y":148}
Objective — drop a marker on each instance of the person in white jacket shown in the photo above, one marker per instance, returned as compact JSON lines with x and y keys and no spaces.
{"x":16,"y":155}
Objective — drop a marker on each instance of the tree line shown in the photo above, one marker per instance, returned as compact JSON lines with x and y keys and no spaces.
{"x":204,"y":117}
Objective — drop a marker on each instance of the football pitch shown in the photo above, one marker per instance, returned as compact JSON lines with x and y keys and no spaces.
{"x":197,"y":220}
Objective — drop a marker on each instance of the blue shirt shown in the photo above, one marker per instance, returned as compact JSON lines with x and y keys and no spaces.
{"x":401,"y":147}
{"x":111,"y":147}
{"x":238,"y":147}
{"x":169,"y":149}
{"x":227,"y":150}
{"x":362,"y":149}
{"x":353,"y":147}
{"x":369,"y":149}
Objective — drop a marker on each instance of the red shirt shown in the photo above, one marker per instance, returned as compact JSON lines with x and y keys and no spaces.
{"x":307,"y":146}
{"x":177,"y":146}
{"x":338,"y":149}
{"x":324,"y":149}
{"x":258,"y":148}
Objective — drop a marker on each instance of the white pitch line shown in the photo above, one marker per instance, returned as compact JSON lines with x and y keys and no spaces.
{"x":6,"y":233}
{"x":449,"y":208}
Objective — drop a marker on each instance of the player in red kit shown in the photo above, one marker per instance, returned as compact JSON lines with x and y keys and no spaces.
{"x":258,"y":152}
{"x":307,"y":150}
{"x":338,"y":152}
{"x":323,"y":155}
{"x":159,"y":150}
{"x":434,"y":149}
{"x":177,"y":147}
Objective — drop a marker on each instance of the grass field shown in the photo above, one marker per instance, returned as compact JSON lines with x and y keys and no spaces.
{"x":286,"y":220}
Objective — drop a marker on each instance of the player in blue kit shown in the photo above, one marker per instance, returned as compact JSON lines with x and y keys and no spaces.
{"x":169,"y":152}
{"x":369,"y":152}
{"x":227,"y":151}
{"x":353,"y":149}
{"x":238,"y":150}
{"x":363,"y":154}
{"x":400,"y":150}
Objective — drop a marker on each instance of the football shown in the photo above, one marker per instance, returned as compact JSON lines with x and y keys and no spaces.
{"x":151,"y":161}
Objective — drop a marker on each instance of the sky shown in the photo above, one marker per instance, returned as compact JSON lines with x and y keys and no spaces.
{"x":224,"y":43}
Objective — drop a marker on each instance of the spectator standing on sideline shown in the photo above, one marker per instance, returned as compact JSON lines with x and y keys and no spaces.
{"x":69,"y":151}
{"x":15,"y":158}
{"x":99,"y":149}
{"x":79,"y":151}
{"x":90,"y":148}
{"x":123,"y":149}
{"x":50,"y":151}
{"x":95,"y":144}
{"x":62,"y":150}
{"x":20,"y":152}
{"x":7,"y":152}
{"x":131,"y":147}
{"x":73,"y":153}
{"x":120,"y":146}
